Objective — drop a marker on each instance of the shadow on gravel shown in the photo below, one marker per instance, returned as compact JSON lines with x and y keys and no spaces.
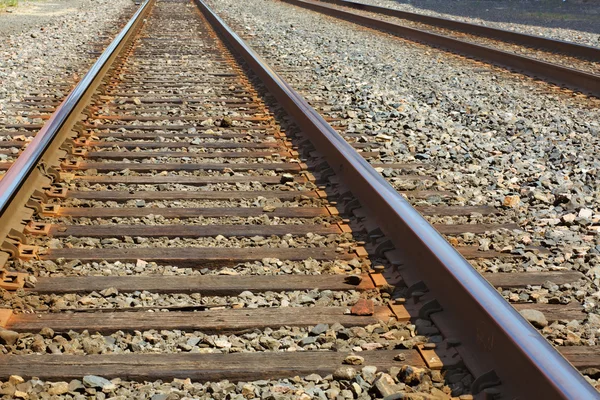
{"x":581,"y":15}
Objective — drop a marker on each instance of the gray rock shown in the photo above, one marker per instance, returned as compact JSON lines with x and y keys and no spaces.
{"x":109,"y":340}
{"x":385,"y":385}
{"x":593,"y":319}
{"x":344,"y":373}
{"x":319,"y":329}
{"x":585,"y":213}
{"x":308,"y":340}
{"x":76,"y":386}
{"x":98,"y":382}
{"x":270,"y":343}
{"x":92,"y":346}
{"x":313,"y":378}
{"x":368,"y":373}
{"x":535,"y":317}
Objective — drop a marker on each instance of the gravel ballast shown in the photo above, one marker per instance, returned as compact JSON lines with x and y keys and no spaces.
{"x":47,"y":43}
{"x":365,"y":383}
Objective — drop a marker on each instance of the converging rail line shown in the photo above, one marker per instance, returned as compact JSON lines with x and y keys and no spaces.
{"x":182,"y":165}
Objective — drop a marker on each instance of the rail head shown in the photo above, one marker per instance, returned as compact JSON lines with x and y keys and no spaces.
{"x":18,"y":183}
{"x":504,"y":341}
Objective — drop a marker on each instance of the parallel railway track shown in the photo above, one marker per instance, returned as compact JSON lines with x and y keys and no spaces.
{"x":532,"y":41}
{"x":183,"y":166}
{"x":578,"y":71}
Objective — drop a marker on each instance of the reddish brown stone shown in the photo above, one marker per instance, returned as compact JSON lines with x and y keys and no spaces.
{"x":363,"y":307}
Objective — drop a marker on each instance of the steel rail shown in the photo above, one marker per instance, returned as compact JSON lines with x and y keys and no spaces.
{"x":487,"y":325}
{"x":63,"y":118}
{"x":553,"y":73}
{"x":552,"y":45}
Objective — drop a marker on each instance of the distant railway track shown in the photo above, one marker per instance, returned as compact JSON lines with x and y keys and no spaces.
{"x":181,"y":149}
{"x":457,"y":37}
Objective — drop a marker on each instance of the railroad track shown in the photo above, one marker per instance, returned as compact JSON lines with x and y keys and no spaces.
{"x":184,"y":193}
{"x":562,"y":63}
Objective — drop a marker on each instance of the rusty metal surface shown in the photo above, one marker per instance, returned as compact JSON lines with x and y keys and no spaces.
{"x":29,"y":160}
{"x":488,"y":326}
{"x":553,"y":45}
{"x":553,"y":73}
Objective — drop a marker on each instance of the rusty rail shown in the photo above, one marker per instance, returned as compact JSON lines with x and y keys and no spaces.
{"x":551,"y":45}
{"x":496,"y":340}
{"x":553,"y":73}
